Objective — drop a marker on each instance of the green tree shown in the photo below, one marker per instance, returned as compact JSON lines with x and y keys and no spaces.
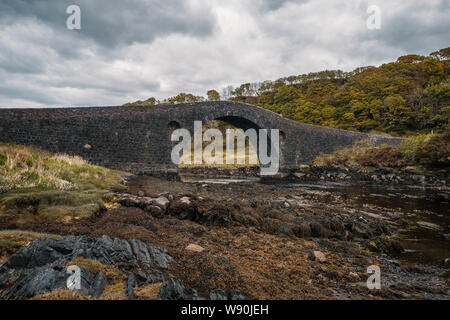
{"x":213,"y":95}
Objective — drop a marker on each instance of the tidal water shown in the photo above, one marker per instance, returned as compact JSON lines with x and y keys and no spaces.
{"x":426,"y":239}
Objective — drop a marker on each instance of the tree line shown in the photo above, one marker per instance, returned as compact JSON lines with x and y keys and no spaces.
{"x":407,"y":96}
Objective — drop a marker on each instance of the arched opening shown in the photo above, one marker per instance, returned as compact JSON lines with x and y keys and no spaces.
{"x":243,"y":155}
{"x":172,"y":126}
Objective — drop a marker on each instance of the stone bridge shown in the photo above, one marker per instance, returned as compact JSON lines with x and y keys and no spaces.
{"x":137,"y":139}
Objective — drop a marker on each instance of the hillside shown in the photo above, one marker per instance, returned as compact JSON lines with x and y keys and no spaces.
{"x":41,"y":185}
{"x":410,"y":95}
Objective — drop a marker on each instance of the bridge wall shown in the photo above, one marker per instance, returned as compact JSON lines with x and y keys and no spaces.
{"x":137,"y":139}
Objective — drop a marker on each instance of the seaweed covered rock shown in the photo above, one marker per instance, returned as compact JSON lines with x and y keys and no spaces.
{"x":41,"y":266}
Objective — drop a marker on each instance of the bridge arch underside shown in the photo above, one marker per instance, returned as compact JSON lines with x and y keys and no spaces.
{"x":244,"y":122}
{"x":137,"y":139}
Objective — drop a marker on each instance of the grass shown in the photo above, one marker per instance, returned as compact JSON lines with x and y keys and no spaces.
{"x":36,"y":183}
{"x":114,"y":291}
{"x":247,"y":154}
{"x":113,"y":274}
{"x":24,"y":167}
{"x":60,"y":294}
{"x":363,"y":154}
{"x":148,"y":292}
{"x":423,"y":152}
{"x":13,"y":240}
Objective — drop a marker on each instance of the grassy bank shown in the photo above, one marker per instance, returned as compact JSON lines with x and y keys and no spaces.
{"x":426,"y":152}
{"x":35,"y":183}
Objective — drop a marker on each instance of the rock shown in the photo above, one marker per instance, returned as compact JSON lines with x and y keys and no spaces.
{"x":100,"y":283}
{"x":162,"y":202}
{"x":172,"y":290}
{"x":27,"y":283}
{"x":130,"y":284}
{"x":316,"y":230}
{"x":194,"y":248}
{"x":446,"y":262}
{"x":141,"y":193}
{"x":317,"y":256}
{"x":87,"y":283}
{"x":40,"y":267}
{"x":354,"y":276}
{"x":197,"y":230}
{"x":186,"y":201}
{"x":429,"y":225}
{"x":129,"y":201}
{"x":238,"y":295}
{"x":155,"y":211}
{"x":218,"y":294}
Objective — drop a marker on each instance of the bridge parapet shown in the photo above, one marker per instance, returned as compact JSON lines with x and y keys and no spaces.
{"x":137,"y":139}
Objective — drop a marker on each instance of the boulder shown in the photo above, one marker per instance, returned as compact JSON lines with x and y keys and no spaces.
{"x":446,"y":262}
{"x":218,"y":294}
{"x":194,"y":248}
{"x":40,"y":267}
{"x":172,"y":290}
{"x":317,"y":256}
{"x":162,"y":202}
{"x":186,"y":201}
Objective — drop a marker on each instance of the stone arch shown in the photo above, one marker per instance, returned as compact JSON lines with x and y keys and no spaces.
{"x":172,"y":126}
{"x":243,"y":123}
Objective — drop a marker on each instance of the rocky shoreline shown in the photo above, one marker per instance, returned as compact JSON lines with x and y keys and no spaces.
{"x":233,"y":241}
{"x":374,"y":175}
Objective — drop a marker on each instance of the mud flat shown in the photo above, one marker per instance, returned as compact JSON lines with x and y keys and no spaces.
{"x":260,"y":241}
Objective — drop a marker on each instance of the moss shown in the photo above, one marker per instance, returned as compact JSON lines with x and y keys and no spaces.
{"x":114,"y":292}
{"x":13,"y":240}
{"x":148,"y":292}
{"x":60,"y":294}
{"x":113,"y":274}
{"x":3,"y":159}
{"x":30,"y":168}
{"x":52,"y":204}
{"x":62,"y":186}
{"x":363,"y":154}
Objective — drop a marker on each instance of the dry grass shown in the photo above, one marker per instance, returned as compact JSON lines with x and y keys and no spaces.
{"x":363,"y":154}
{"x":35,"y":184}
{"x":113,"y":275}
{"x":60,"y":294}
{"x":13,"y":240}
{"x":24,"y":167}
{"x":114,"y":292}
{"x":148,"y":292}
{"x":242,"y":157}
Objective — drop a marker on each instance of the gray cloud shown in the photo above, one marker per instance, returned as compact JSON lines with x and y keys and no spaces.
{"x":134,"y":49}
{"x":116,"y":23}
{"x":417,"y":27}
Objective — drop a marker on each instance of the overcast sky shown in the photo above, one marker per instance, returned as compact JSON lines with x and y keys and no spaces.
{"x":134,"y":49}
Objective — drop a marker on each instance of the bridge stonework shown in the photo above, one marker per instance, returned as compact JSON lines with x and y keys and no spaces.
{"x":137,"y":139}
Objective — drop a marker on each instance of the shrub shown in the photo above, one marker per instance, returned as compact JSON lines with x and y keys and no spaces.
{"x":382,"y":156}
{"x":436,"y":152}
{"x":410,"y":147}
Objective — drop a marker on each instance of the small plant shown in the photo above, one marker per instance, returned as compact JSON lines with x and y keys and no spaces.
{"x":410,"y":146}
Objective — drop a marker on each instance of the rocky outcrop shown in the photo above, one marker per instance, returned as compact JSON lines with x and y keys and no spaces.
{"x":41,"y":266}
{"x":375,"y":175}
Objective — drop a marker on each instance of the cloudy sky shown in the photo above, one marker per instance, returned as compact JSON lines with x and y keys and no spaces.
{"x":134,"y":49}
